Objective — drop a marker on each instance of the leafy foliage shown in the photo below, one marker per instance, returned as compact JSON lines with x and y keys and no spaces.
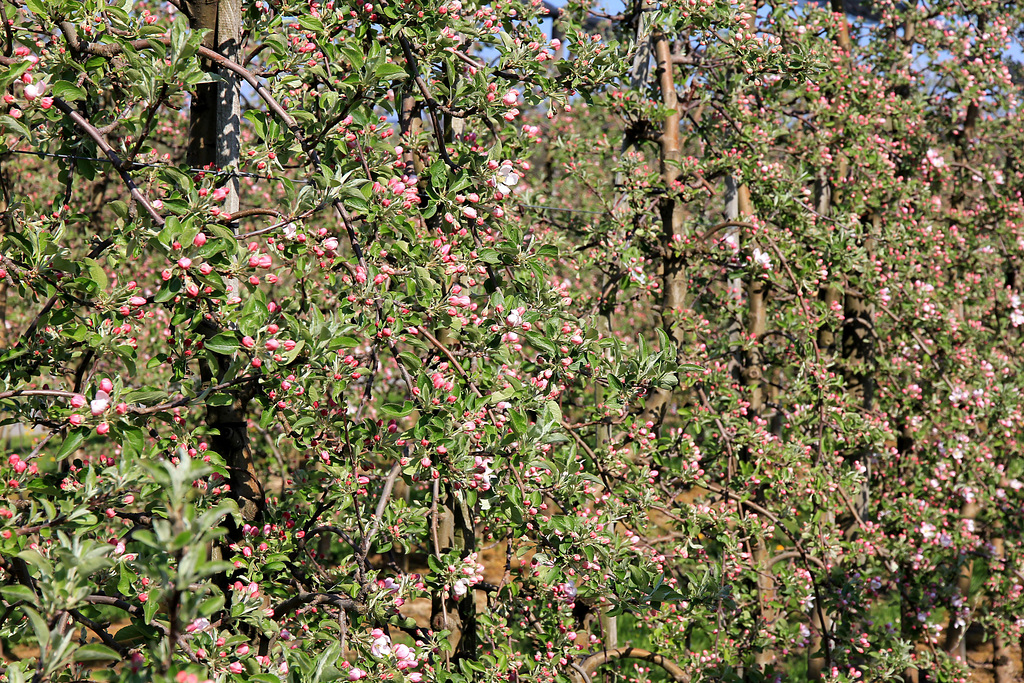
{"x":513,"y":335}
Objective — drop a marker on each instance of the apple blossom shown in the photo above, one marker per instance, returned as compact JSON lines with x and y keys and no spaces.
{"x":773,"y":288}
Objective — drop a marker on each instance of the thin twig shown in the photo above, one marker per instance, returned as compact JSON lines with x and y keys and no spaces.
{"x":385,"y":496}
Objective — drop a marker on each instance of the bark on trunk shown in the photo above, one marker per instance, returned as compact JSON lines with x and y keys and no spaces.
{"x":673,"y":272}
{"x":455,"y":529}
{"x":757,"y":321}
{"x":214,"y":141}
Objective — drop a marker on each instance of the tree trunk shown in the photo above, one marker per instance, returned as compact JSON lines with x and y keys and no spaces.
{"x":673,"y":272}
{"x":757,"y":321}
{"x":214,"y":142}
{"x":455,"y":530}
{"x":1004,"y":667}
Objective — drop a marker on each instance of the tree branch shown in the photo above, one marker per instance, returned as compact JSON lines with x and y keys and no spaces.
{"x":589,"y":665}
{"x":410,"y":58}
{"x":304,"y":598}
{"x":120,"y":166}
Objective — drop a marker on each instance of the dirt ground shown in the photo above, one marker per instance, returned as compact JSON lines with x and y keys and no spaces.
{"x":979,"y":659}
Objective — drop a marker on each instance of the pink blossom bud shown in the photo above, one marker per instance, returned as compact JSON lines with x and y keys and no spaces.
{"x":34,"y":90}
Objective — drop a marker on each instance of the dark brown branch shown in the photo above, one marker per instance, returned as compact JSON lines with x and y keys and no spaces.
{"x":55,"y":393}
{"x":120,"y":604}
{"x":246,"y":213}
{"x":252,"y":55}
{"x":8,"y":34}
{"x":304,"y":598}
{"x":98,"y":249}
{"x":148,"y":126}
{"x":26,"y":530}
{"x":589,"y":665}
{"x":107,"y":639}
{"x":275,"y":226}
{"x":120,"y":166}
{"x":410,"y":58}
{"x":111,"y":50}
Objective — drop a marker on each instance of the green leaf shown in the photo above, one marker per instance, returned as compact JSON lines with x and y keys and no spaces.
{"x":542,"y":344}
{"x":39,"y":626}
{"x":14,"y":673}
{"x":311,"y":23}
{"x":395,"y":410}
{"x":342,"y":342}
{"x":150,"y":607}
{"x":551,"y":414}
{"x":254,"y":313}
{"x":212,"y":604}
{"x":133,"y":439}
{"x":146,"y":397}
{"x":37,"y":7}
{"x":124,"y":582}
{"x":411,"y":361}
{"x":390,"y":72}
{"x":519,"y":422}
{"x":95,"y":652}
{"x":96,"y":272}
{"x":17,"y":592}
{"x":67,"y":91}
{"x":74,"y":439}
{"x":223,"y":344}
